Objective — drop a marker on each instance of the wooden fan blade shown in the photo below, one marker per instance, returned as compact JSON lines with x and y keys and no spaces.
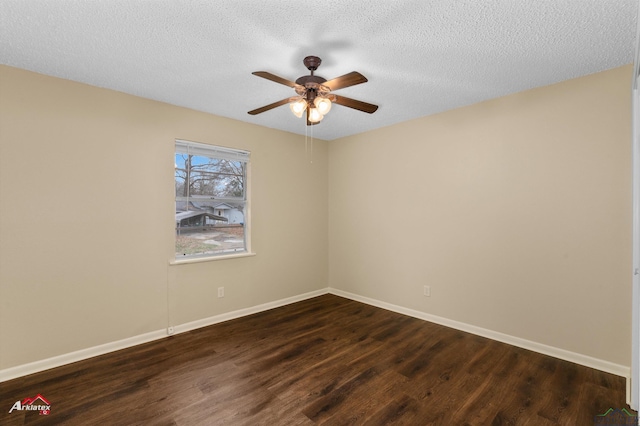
{"x":352,"y":103}
{"x":346,"y":80}
{"x":271,"y":106}
{"x":273,"y":77}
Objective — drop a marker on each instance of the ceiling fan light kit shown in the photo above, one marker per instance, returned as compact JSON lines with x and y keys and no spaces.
{"x":314,"y":115}
{"x":314,"y":93}
{"x":298,"y":106}
{"x":323,"y":105}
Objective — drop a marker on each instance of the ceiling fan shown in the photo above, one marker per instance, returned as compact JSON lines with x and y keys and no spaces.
{"x":314,"y":93}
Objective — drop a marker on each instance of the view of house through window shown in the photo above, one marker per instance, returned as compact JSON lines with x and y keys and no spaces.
{"x":211,"y":185}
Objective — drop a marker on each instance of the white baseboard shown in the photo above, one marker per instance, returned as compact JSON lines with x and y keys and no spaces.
{"x":598,"y":364}
{"x":247,"y":311}
{"x":68,"y":358}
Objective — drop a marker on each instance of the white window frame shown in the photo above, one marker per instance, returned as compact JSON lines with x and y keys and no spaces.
{"x":213,"y":151}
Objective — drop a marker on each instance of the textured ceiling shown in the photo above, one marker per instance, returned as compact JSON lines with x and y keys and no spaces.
{"x":421,"y":57}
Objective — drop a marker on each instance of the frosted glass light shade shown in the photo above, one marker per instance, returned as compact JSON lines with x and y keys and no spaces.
{"x":323,"y":105}
{"x":298,"y":107}
{"x":314,"y":115}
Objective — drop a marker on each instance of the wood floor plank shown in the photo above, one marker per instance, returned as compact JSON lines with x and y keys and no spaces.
{"x":323,"y":361}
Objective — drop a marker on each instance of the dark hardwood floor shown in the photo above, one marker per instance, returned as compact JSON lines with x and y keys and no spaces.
{"x":327,"y":360}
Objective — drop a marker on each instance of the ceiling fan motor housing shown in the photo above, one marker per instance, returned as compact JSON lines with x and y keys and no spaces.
{"x":302,"y":81}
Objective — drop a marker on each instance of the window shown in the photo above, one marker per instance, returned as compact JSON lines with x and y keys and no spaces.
{"x":211,"y":200}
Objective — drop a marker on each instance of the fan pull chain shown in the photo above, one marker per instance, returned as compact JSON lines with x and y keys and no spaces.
{"x":311,"y":147}
{"x":308,"y":145}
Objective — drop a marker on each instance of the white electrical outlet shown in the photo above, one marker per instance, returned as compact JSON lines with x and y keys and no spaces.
{"x":427,"y":291}
{"x":220,"y":291}
{"x":169,"y":330}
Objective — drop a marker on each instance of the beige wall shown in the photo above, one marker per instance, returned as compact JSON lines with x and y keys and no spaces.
{"x":516,"y":211}
{"x":86,"y":218}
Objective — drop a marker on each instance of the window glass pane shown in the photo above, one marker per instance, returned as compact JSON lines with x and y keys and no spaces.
{"x":202,"y":230}
{"x":206,"y":176}
{"x":210,"y":205}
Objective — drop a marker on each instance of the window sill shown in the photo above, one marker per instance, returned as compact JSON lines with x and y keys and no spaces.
{"x":211,"y":258}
